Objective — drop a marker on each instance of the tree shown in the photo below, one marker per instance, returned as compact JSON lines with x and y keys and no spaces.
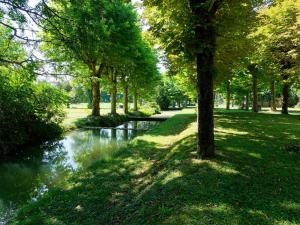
{"x":93,"y":33}
{"x":190,"y":28}
{"x":144,"y":75}
{"x":280,"y":40}
{"x":169,"y":92}
{"x":31,"y":111}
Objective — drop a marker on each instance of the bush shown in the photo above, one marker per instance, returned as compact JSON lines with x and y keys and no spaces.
{"x":293,"y":99}
{"x":30,"y":113}
{"x":101,"y":121}
{"x":163,"y":99}
{"x":149,"y":109}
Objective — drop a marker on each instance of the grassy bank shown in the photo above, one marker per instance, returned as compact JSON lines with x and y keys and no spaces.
{"x":158,"y":179}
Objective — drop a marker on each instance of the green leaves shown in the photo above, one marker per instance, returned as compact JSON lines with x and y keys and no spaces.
{"x":278,"y":37}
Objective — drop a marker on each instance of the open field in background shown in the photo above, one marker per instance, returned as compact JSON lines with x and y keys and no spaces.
{"x":77,"y":111}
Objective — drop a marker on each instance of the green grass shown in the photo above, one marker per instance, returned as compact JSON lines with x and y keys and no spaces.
{"x":158,"y":178}
{"x":78,"y":113}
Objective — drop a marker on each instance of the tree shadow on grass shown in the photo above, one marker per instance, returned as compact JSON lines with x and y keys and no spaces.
{"x":251,"y":181}
{"x":279,"y":128}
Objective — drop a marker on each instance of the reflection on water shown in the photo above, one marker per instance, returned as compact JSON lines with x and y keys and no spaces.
{"x":26,"y":179}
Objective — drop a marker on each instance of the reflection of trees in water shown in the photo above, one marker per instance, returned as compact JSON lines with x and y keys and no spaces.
{"x":135,"y":127}
{"x":125,"y":132}
{"x":27,"y":178}
{"x":50,"y":164}
{"x":89,"y":146}
{"x":113,"y":134}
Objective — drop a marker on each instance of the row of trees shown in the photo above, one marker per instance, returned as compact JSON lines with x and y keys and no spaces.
{"x":99,"y":43}
{"x":215,"y":43}
{"x":273,"y":61}
{"x":102,"y":43}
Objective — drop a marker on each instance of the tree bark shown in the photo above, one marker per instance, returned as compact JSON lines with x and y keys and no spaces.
{"x":254,"y":92}
{"x":125,"y":95}
{"x":135,"y":101}
{"x":96,"y":96}
{"x":113,"y":93}
{"x":228,"y":95}
{"x":205,"y":106}
{"x":205,"y":48}
{"x":95,"y":81}
{"x":285,"y":98}
{"x":205,"y":68}
{"x":273,"y":96}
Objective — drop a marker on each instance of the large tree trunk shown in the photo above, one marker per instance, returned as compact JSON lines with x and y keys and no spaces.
{"x":285,"y":98}
{"x":135,"y":101}
{"x":205,"y":68}
{"x":96,"y":96}
{"x":254,"y":92}
{"x":228,"y":95}
{"x":125,"y":99}
{"x":206,"y":146}
{"x":273,"y":96}
{"x":205,"y":47}
{"x":113,"y":93}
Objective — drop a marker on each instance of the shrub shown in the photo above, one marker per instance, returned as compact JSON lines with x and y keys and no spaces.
{"x":163,"y":99}
{"x":101,"y":121}
{"x":30,"y":113}
{"x":293,"y":99}
{"x":149,"y":109}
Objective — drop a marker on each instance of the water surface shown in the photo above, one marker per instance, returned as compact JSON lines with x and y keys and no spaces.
{"x":24,"y":180}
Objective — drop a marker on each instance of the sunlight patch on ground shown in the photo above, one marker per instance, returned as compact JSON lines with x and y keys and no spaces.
{"x":226,"y":132}
{"x":172,"y":176}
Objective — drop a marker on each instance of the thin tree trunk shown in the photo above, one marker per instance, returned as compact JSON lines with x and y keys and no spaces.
{"x":273,"y":96}
{"x":179,"y":104}
{"x":113,"y":93}
{"x":125,"y":95}
{"x":96,"y":96}
{"x":285,"y":98}
{"x":247,"y":101}
{"x":228,"y":95}
{"x":254,"y":91}
{"x":135,"y":101}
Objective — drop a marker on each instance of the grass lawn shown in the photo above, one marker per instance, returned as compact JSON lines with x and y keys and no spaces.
{"x":158,"y":179}
{"x":79,"y":111}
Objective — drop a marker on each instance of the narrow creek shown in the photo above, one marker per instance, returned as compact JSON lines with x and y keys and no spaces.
{"x":24,"y":180}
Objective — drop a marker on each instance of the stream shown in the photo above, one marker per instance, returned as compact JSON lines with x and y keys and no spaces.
{"x":24,"y":180}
